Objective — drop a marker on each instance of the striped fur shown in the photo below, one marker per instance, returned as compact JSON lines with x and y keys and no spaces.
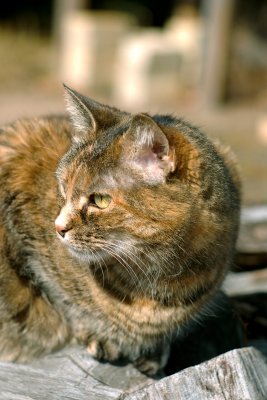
{"x":123,"y":278}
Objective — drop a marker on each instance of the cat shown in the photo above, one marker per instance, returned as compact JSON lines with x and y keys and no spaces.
{"x":116,"y":230}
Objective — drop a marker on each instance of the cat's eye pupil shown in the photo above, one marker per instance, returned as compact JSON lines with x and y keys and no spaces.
{"x":100,"y":200}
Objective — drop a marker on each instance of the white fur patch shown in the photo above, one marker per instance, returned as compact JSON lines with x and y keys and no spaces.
{"x":64,"y":216}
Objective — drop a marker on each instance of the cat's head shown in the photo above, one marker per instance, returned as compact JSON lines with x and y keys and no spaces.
{"x":118,"y":184}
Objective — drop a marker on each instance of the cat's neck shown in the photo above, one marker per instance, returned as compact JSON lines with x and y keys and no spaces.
{"x":127,"y":284}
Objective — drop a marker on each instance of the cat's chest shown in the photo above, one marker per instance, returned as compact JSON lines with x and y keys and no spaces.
{"x":142,"y":313}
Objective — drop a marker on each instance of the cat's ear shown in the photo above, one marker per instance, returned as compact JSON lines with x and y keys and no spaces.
{"x":152,"y":153}
{"x":81,"y":110}
{"x":90,"y":118}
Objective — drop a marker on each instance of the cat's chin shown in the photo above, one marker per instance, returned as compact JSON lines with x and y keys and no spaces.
{"x":86,"y":256}
{"x":82,"y":255}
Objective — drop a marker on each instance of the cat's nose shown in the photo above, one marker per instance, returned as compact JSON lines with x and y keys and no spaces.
{"x":61,"y":228}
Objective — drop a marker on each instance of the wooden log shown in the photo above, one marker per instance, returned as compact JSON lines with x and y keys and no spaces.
{"x":236,"y":375}
{"x":72,"y":374}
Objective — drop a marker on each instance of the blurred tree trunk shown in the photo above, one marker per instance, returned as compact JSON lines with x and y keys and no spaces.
{"x":61,"y":9}
{"x":218,"y":16}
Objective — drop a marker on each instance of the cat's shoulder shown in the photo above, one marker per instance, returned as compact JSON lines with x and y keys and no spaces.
{"x":49,"y":125}
{"x":33,"y":135}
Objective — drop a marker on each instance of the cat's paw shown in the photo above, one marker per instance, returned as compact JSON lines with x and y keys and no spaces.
{"x":154,"y":362}
{"x":103,"y":349}
{"x":147,"y":366}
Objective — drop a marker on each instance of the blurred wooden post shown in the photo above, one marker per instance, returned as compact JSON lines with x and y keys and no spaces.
{"x":61,"y":9}
{"x":218,"y":15}
{"x":88,"y":49}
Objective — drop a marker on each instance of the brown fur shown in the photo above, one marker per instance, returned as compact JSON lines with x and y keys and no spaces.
{"x":123,"y":278}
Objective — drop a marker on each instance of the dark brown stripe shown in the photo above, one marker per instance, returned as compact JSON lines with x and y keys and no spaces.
{"x":22,"y":315}
{"x":196,"y":294}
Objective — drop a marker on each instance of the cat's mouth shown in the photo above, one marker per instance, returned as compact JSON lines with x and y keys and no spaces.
{"x":118,"y":248}
{"x":90,"y":254}
{"x":81,"y":254}
{"x":65,"y":239}
{"x":84,"y":255}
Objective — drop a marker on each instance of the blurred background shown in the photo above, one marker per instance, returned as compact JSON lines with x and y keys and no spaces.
{"x":204,"y":60}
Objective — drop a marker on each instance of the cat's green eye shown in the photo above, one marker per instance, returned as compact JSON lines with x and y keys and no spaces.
{"x":100,"y":200}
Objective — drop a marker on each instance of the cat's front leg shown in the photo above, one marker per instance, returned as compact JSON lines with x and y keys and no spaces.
{"x":149,"y":363}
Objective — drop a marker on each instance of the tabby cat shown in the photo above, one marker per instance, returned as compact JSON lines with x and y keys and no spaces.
{"x":116,"y":230}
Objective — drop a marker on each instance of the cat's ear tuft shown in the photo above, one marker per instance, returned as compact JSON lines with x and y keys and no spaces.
{"x":152,"y":153}
{"x":79,"y":108}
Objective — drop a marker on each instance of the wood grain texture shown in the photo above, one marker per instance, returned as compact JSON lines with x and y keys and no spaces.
{"x":71,"y":374}
{"x":236,"y":375}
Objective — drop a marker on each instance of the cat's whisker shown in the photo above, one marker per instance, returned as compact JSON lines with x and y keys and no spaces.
{"x":126,"y":252}
{"x":159,"y":257}
{"x":97,"y":259}
{"x":111,"y":249}
{"x":157,"y":260}
{"x":101,"y":262}
{"x":124,"y":263}
{"x":120,"y":259}
{"x":136,"y":249}
{"x":45,"y":235}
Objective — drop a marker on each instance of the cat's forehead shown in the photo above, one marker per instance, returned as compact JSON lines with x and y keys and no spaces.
{"x":89,"y":156}
{"x":94,"y":167}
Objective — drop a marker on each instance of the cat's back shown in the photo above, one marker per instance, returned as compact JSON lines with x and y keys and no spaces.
{"x":44,"y":138}
{"x":30,"y":150}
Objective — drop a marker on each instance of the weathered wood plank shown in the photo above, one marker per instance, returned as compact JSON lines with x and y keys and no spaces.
{"x":236,"y":375}
{"x":69,"y":374}
{"x":72,"y":374}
